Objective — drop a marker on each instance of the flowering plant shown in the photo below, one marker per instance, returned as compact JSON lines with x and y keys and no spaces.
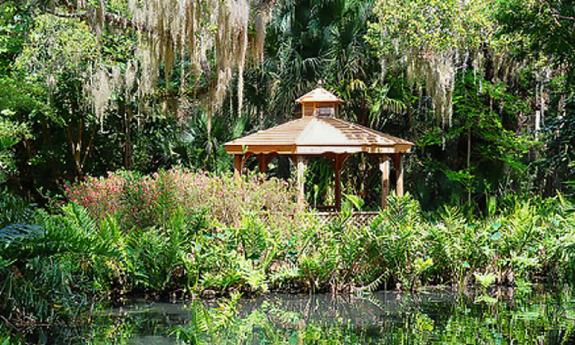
{"x":148,"y":200}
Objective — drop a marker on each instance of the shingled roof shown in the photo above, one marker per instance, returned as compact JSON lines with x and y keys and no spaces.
{"x":311,"y":135}
{"x":317,"y":135}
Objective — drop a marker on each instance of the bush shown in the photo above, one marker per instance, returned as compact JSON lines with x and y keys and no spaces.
{"x":406,"y":248}
{"x":149,"y":200}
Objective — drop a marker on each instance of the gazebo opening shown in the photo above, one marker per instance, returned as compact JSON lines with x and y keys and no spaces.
{"x":318,"y":132}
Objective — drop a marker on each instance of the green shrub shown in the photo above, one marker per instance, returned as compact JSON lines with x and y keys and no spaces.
{"x":190,"y":240}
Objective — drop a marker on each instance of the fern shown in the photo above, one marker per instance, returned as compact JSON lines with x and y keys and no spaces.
{"x":14,"y":209}
{"x":197,"y":329}
{"x":16,"y":234}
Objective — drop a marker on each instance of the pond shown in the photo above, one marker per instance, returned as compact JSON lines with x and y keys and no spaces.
{"x":379,"y":318}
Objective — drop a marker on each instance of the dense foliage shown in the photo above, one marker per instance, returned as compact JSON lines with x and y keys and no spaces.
{"x":151,"y":239}
{"x":100,"y":100}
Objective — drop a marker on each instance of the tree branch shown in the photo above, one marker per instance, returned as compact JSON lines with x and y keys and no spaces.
{"x":564,"y":17}
{"x":555,"y":12}
{"x":110,"y":18}
{"x":81,"y":15}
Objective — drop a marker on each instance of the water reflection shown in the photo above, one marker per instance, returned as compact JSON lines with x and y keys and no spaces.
{"x":380,"y":318}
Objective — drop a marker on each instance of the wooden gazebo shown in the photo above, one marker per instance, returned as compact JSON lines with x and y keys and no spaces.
{"x":319,"y":132}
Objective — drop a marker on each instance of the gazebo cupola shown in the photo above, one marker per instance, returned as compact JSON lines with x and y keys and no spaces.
{"x":319,"y":102}
{"x":319,"y":132}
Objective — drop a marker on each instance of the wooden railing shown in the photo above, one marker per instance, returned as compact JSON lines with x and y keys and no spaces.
{"x":363,"y":218}
{"x":357,"y":218}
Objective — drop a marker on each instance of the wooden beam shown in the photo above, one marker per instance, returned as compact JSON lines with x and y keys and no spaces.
{"x":384,"y":168}
{"x":238,"y":165}
{"x":292,"y":149}
{"x":398,"y":166}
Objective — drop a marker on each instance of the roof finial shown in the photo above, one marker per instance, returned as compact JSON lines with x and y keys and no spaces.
{"x":320,"y":83}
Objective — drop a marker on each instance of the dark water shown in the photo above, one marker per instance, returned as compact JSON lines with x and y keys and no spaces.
{"x":380,"y":318}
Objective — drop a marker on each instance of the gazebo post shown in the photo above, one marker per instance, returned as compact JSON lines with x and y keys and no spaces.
{"x":398,"y":166}
{"x":238,"y":165}
{"x":384,"y":168}
{"x":263,"y":163}
{"x":339,"y":160}
{"x":301,"y":166}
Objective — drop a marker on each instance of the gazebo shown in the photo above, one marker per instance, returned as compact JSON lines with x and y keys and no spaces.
{"x":319,"y":132}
